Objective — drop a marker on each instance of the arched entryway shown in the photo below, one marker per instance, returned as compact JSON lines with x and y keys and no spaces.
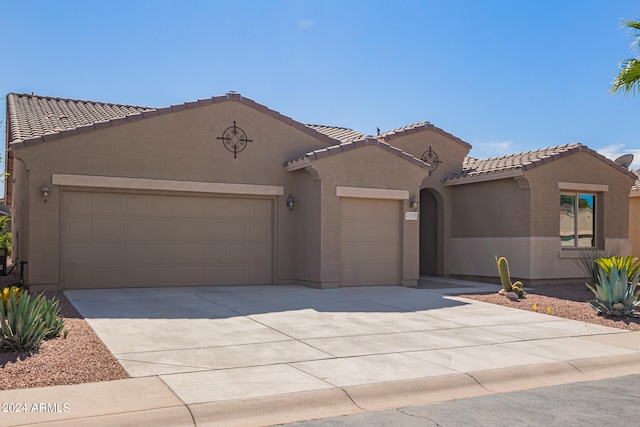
{"x":430,"y":235}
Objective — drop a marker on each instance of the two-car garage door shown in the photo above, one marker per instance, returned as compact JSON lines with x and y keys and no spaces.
{"x":124,"y":240}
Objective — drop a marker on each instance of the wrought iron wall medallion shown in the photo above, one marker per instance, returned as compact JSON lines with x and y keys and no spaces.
{"x":234,"y":139}
{"x":431,"y":159}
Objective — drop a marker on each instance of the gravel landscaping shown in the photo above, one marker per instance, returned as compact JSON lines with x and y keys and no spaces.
{"x":568,"y":301}
{"x":82,"y":357}
{"x":79,"y":358}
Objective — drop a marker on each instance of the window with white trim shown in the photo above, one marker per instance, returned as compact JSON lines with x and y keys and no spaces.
{"x":577,"y":220}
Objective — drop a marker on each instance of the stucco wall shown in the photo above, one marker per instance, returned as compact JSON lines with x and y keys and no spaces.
{"x":634,"y":223}
{"x":20,"y":214}
{"x":498,"y":218}
{"x":178,"y":146}
{"x":612,"y":214}
{"x":490,"y":209}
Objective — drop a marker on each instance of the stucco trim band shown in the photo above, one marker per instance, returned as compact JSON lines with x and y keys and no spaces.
{"x":166,"y":185}
{"x":578,"y":186}
{"x":372,"y":193}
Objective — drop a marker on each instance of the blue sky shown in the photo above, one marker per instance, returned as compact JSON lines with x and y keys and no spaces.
{"x":505,"y":76}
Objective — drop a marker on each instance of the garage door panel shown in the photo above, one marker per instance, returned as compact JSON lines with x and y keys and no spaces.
{"x":162,"y":276}
{"x":134,"y":276}
{"x":188,"y":254}
{"x":259,"y":253}
{"x":106,"y":253}
{"x":150,"y":241}
{"x":105,"y":229}
{"x":78,"y":204}
{"x":134,"y":253}
{"x":213,"y":230}
{"x":107,"y":204}
{"x":78,"y":227}
{"x":134,"y":229}
{"x":79,"y":252}
{"x":161,"y":229}
{"x":187,"y":230}
{"x":214,"y":275}
{"x":189,"y":276}
{"x":370,"y":242}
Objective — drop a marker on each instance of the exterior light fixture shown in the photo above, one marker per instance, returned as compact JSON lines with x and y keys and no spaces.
{"x":45,"y":192}
{"x":414,"y":202}
{"x":291,"y":202}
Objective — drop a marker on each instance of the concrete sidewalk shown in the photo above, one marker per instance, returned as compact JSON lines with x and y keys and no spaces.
{"x":264,"y":355}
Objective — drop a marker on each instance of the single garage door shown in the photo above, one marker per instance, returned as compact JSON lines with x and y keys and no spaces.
{"x":134,"y":240}
{"x":370,"y":242}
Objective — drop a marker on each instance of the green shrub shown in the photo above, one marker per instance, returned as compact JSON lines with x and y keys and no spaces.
{"x":5,"y":235}
{"x":587,"y":263}
{"x":615,"y":293}
{"x":27,"y":320}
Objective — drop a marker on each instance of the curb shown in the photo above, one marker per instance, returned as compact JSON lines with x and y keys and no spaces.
{"x":149,"y":401}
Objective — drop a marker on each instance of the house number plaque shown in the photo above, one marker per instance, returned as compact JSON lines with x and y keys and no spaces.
{"x":234,"y":139}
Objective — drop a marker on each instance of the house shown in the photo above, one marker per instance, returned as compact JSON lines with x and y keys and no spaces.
{"x":225,"y":191}
{"x":634,"y":215}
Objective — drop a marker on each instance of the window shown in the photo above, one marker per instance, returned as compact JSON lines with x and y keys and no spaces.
{"x":577,"y":220}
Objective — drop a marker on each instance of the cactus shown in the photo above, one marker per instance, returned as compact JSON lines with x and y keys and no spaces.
{"x":505,"y":278}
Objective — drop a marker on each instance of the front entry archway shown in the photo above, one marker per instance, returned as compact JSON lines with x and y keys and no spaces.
{"x":429,"y":232}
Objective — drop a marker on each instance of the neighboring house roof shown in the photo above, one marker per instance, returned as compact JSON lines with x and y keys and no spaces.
{"x":306,"y":159}
{"x":475,"y":170}
{"x":636,"y":186}
{"x":341,"y":134}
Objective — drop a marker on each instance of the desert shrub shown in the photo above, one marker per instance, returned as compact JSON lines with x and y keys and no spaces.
{"x":615,"y":294}
{"x":630,"y":263}
{"x":5,"y":235}
{"x":11,"y":289}
{"x":26,"y":321}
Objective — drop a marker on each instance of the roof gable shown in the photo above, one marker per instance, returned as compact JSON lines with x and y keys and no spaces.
{"x":34,"y":119}
{"x":306,"y":159}
{"x":419,"y":127}
{"x":475,"y":170}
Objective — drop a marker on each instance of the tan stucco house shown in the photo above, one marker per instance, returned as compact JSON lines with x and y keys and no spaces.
{"x":225,"y":191}
{"x":634,"y":215}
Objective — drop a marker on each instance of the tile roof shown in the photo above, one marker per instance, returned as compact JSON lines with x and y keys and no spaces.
{"x":636,"y":186}
{"x":497,"y":167}
{"x":32,"y":116}
{"x":341,"y":134}
{"x":303,"y":161}
{"x":417,"y":127}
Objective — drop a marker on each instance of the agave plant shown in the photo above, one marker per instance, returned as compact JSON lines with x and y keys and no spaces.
{"x":11,"y":290}
{"x":615,"y":293}
{"x":23,"y":326}
{"x":629,"y":262}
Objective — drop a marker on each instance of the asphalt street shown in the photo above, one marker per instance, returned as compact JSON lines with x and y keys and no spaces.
{"x":609,"y":402}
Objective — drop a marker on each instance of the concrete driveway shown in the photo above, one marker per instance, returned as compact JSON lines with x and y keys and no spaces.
{"x":305,"y":353}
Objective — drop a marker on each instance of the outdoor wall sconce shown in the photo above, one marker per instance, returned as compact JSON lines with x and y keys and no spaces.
{"x":290,"y":202}
{"x":414,"y":202}
{"x":45,"y":192}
